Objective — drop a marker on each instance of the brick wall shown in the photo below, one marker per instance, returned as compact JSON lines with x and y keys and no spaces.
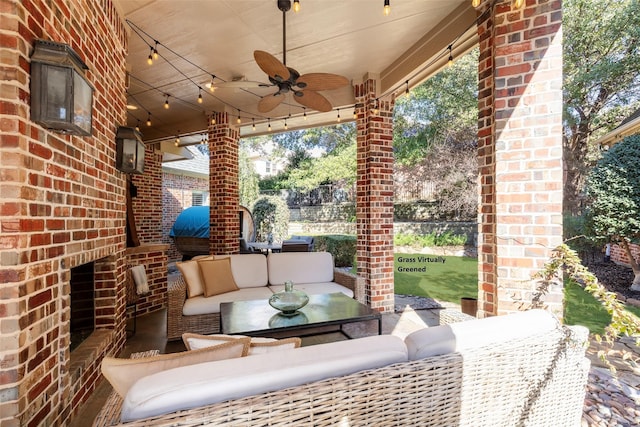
{"x":147,"y":206}
{"x":374,"y":196}
{"x":519,"y":152}
{"x":223,"y":184}
{"x":154,"y":259}
{"x":619,"y":255}
{"x":177,"y":193}
{"x":63,"y":204}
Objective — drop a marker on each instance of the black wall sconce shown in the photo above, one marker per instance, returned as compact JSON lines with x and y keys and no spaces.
{"x":129,"y":150}
{"x":61,"y":97}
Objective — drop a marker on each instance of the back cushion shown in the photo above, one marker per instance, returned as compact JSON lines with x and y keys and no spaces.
{"x":249,"y":270}
{"x":300,"y":267}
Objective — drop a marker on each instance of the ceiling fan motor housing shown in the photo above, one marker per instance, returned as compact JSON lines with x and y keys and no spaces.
{"x":284,"y":5}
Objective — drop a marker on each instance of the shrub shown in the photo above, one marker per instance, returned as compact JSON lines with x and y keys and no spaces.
{"x":341,"y":246}
{"x":432,"y":239}
{"x":271,"y":215}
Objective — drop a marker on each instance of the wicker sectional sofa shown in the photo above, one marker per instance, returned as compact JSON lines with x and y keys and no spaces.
{"x":520,"y":369}
{"x":257,"y":277}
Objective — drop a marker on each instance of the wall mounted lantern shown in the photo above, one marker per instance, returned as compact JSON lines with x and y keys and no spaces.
{"x":129,"y":150}
{"x":61,"y":97}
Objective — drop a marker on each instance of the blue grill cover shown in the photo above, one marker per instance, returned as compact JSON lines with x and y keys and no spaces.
{"x":192,"y":222}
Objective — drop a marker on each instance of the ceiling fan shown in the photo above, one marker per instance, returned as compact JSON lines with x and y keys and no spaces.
{"x":303,"y":87}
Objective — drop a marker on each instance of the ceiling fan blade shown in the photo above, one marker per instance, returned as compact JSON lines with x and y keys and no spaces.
{"x":270,"y":102}
{"x":313,"y":100}
{"x":322,"y":81}
{"x":271,"y":65}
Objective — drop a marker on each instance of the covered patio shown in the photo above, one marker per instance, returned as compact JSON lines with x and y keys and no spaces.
{"x":64,"y":204}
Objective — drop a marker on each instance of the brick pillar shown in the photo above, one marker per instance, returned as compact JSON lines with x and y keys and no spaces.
{"x":223,"y":186}
{"x":374,"y":198}
{"x":519,"y":153}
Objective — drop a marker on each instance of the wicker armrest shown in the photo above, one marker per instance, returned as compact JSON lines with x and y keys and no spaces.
{"x":351,"y":281}
{"x":176,"y":296}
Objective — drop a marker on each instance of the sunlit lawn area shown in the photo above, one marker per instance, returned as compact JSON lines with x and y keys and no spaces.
{"x":457,"y":277}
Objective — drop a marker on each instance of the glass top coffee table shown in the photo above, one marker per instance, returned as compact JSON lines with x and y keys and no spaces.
{"x":257,"y":318}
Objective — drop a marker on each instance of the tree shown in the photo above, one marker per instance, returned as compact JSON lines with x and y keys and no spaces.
{"x":601,"y":81}
{"x":248,"y":178}
{"x":614,"y":189}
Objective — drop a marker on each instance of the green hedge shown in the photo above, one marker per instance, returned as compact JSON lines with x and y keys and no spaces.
{"x":341,"y":246}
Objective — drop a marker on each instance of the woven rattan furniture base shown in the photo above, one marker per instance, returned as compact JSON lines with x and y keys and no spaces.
{"x":324,"y":313}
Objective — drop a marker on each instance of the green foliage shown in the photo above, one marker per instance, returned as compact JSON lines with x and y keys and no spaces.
{"x":271,"y":215}
{"x":614,"y":188}
{"x":327,"y":138}
{"x":578,"y":234}
{"x":429,"y":240}
{"x":565,"y":260}
{"x":248,"y":178}
{"x":601,"y":80}
{"x":341,"y":246}
{"x":444,"y":109}
{"x":337,"y":167}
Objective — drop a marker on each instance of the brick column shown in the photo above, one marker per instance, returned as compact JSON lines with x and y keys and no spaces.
{"x":519,"y":152}
{"x":223,"y":186}
{"x":374,"y":198}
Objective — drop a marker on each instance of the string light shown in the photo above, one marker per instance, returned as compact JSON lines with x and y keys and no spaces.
{"x":199,"y":96}
{"x":138,"y":126}
{"x":212,"y":88}
{"x":387,"y":8}
{"x":355,"y":114}
{"x":296,"y":6}
{"x":269,"y":126}
{"x":177,"y":143}
{"x":155,"y":50}
{"x":203,"y":141}
{"x":406,"y":91}
{"x":253,"y":124}
{"x":338,"y":118}
{"x":238,"y":120}
{"x":166,"y":103}
{"x":150,"y":57}
{"x":450,"y":61}
{"x":375,"y":107}
{"x":213,"y":119}
{"x":304,"y":116}
{"x":285,"y":124}
{"x":476,"y":3}
{"x":148,"y":119}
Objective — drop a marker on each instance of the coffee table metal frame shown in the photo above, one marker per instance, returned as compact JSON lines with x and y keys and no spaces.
{"x":257,"y":318}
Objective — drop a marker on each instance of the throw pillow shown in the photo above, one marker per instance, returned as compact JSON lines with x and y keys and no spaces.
{"x":123,"y":373}
{"x":192,"y":277}
{"x":257,"y":345}
{"x":217,"y":277}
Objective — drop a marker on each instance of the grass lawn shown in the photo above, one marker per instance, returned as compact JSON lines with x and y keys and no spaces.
{"x":457,"y":277}
{"x":450,"y":280}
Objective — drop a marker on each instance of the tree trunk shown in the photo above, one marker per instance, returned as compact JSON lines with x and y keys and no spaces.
{"x":635,"y":286}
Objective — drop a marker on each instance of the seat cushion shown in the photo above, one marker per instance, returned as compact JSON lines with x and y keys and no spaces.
{"x":462,"y":336}
{"x":300,"y":267}
{"x":208,"y":305}
{"x":316,"y":288}
{"x":249,"y":270}
{"x":123,"y":373}
{"x":207,"y":383}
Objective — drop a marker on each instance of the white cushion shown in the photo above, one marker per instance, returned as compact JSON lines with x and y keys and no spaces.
{"x":207,"y":305}
{"x":462,"y":336}
{"x":207,"y":383}
{"x":300,"y":267}
{"x":249,"y":270}
{"x":316,"y":288}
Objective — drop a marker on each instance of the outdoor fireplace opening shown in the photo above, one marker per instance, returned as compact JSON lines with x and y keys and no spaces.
{"x":82,"y":303}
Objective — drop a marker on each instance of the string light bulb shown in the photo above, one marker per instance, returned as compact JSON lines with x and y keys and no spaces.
{"x":406,"y":91}
{"x":375,"y":107}
{"x":177,"y":143}
{"x":155,"y":50}
{"x":138,"y":126}
{"x":285,"y":124}
{"x":213,"y":119}
{"x":166,"y":103}
{"x":450,"y":61}
{"x":150,"y":57}
{"x":269,"y":125}
{"x":304,"y":115}
{"x":476,"y":3}
{"x":238,"y":120}
{"x":338,"y":118}
{"x":355,"y":114}
{"x":212,"y":88}
{"x":148,"y":119}
{"x":253,"y":124}
{"x":296,"y":6}
{"x":387,"y":8}
{"x":199,"y":97}
{"x":517,"y":4}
